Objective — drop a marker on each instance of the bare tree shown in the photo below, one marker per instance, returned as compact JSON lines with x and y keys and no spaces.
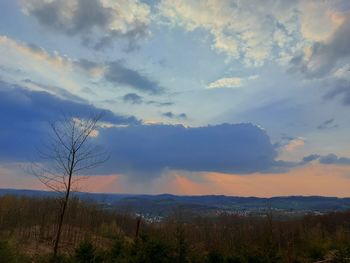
{"x":70,"y":151}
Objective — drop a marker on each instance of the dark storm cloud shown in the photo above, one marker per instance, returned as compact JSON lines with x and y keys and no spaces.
{"x":25,"y":114}
{"x":146,"y":150}
{"x":34,"y":105}
{"x":141,"y":150}
{"x":136,"y":149}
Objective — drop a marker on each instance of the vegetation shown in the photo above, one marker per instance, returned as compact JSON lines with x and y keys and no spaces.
{"x":95,"y":234}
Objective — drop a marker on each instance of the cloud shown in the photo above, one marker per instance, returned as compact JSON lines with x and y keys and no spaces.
{"x":137,"y":149}
{"x":97,"y":22}
{"x":294,"y":144}
{"x":182,"y":115}
{"x":255,"y":34}
{"x":323,"y":56}
{"x":28,"y":61}
{"x":230,"y":82}
{"x":39,"y":63}
{"x":168,"y":114}
{"x":310,"y":158}
{"x":35,"y":53}
{"x":312,"y":179}
{"x":239,"y":29}
{"x":343,"y":72}
{"x":226,"y":83}
{"x":327,"y":124}
{"x":60,"y":92}
{"x":147,"y":150}
{"x":334,"y":159}
{"x":132,"y":98}
{"x":327,"y":159}
{"x":140,"y":150}
{"x":161,"y":104}
{"x":319,"y":19}
{"x":25,"y":116}
{"x":340,"y":87}
{"x":172,"y":115}
{"x":91,"y":68}
{"x":117,"y":73}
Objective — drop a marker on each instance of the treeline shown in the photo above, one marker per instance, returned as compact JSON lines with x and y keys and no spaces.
{"x":95,"y":234}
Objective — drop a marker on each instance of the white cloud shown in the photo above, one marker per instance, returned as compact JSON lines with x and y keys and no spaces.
{"x":254,"y":31}
{"x":127,"y":15}
{"x":319,"y":19}
{"x":294,"y":145}
{"x":239,"y":28}
{"x":226,"y":83}
{"x":230,"y":82}
{"x":343,"y":72}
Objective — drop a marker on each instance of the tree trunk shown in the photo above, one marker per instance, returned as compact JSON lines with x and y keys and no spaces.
{"x":59,"y":230}
{"x":64,"y":207}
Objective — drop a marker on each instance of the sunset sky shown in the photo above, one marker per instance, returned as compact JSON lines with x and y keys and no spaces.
{"x":240,"y":97}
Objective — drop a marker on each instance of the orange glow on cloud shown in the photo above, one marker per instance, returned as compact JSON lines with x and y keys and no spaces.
{"x":98,"y":184}
{"x":183,"y":185}
{"x":313,"y":179}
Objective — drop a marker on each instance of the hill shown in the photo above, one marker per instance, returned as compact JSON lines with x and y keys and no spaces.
{"x":158,"y":206}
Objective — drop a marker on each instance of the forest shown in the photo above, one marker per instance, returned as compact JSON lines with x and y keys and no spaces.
{"x":93,"y":233}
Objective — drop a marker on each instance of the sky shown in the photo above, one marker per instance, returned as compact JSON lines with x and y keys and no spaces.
{"x":247,"y":98}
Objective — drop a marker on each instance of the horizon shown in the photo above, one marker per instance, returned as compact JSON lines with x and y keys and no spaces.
{"x":178,"y":195}
{"x":251,"y":103}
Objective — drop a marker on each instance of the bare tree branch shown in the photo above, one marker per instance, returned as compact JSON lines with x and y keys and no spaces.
{"x":69,"y":152}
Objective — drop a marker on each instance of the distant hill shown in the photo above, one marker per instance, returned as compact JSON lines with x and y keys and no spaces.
{"x":164,"y":204}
